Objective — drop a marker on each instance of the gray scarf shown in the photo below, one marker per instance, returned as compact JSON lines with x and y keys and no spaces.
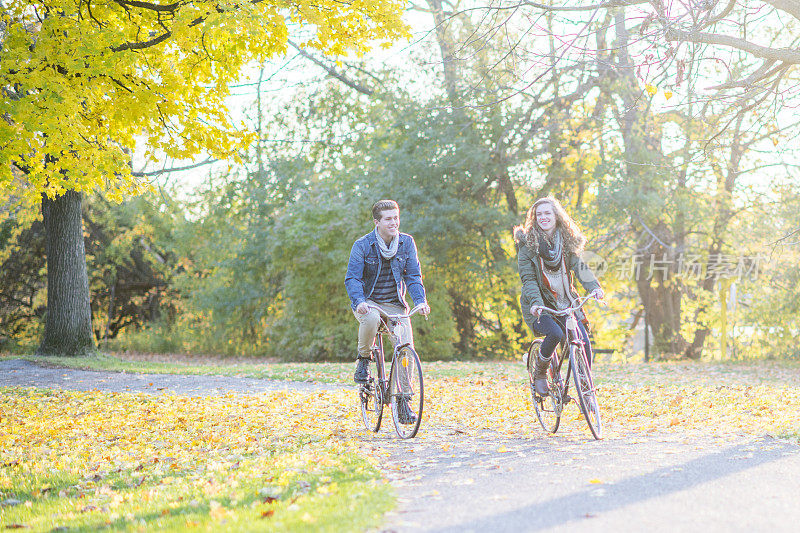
{"x":387,"y":251}
{"x":551,"y":253}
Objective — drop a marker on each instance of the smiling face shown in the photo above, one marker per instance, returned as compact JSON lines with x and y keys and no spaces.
{"x":389,"y":224}
{"x":546,"y":217}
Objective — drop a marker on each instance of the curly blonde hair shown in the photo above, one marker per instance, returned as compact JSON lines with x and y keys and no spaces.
{"x":530,"y":232}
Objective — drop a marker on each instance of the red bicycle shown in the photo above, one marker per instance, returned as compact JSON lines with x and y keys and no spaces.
{"x":404,"y":383}
{"x":572,"y":351}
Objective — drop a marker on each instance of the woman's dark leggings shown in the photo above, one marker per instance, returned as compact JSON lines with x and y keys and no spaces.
{"x":554,"y":332}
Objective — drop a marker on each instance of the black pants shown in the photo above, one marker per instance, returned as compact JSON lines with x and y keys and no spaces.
{"x":554,"y":331}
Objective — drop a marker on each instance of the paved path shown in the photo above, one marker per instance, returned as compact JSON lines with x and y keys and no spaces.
{"x":576,"y":484}
{"x":22,"y":373}
{"x":460,"y":483}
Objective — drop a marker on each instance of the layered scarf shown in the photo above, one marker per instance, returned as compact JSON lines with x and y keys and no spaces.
{"x":387,"y":251}
{"x":551,"y":252}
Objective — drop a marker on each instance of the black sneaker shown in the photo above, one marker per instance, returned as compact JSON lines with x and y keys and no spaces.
{"x":362,"y":371}
{"x":404,"y":412}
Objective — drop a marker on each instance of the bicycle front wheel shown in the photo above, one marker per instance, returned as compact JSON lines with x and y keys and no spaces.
{"x":548,"y":408}
{"x":584,"y":388}
{"x":371,"y":400}
{"x":406,"y":392}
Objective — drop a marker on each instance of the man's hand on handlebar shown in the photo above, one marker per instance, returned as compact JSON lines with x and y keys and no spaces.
{"x":363,"y":308}
{"x":599,"y":294}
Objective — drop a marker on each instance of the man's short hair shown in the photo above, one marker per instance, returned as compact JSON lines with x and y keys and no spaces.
{"x":381,"y":206}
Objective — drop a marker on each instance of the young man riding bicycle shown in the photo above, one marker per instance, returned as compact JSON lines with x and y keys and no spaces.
{"x":383,"y":265}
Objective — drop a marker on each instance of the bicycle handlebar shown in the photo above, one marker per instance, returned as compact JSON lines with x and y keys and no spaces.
{"x":409,"y":315}
{"x":568,"y":310}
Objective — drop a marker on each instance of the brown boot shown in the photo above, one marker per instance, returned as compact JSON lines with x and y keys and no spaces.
{"x":540,"y":375}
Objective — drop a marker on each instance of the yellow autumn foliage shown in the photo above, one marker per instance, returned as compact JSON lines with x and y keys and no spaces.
{"x":82,"y":81}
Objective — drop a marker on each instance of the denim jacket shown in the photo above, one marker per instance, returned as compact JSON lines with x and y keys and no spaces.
{"x":365,"y":265}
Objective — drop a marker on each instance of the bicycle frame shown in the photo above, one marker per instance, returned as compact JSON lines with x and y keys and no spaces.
{"x":573,"y":331}
{"x":574,"y":350}
{"x":389,"y":325}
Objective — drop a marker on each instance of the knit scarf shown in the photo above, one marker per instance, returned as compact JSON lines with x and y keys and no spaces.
{"x":551,"y":253}
{"x":387,"y":251}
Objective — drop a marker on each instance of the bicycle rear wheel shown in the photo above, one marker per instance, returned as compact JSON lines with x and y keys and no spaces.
{"x":584,"y":388}
{"x":548,"y":408}
{"x":405,"y":386}
{"x":371,"y":400}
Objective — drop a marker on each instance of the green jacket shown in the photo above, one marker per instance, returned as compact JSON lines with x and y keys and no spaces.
{"x":535,"y":288}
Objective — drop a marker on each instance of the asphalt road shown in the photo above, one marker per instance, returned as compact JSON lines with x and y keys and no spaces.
{"x":455,"y":482}
{"x":572,"y":483}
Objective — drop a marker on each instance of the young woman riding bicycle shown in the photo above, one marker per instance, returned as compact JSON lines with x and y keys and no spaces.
{"x":549,"y":244}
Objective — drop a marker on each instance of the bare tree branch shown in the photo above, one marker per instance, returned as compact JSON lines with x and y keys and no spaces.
{"x":602,"y":5}
{"x":140,"y":174}
{"x":144,"y":44}
{"x":759,"y":74}
{"x":333,"y":72}
{"x":163,"y":8}
{"x":789,"y":6}
{"x":786,"y":55}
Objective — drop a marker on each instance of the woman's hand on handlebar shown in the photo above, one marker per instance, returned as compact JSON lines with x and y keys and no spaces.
{"x":536,"y":311}
{"x":362,"y":308}
{"x":598,"y":294}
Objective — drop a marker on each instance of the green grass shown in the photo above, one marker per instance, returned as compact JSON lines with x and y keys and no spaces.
{"x":119,"y":502}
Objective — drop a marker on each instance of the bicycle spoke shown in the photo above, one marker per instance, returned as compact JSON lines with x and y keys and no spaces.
{"x":584,"y":388}
{"x":548,"y":408}
{"x":406,"y":392}
{"x":370,"y":400}
{"x":406,"y":382}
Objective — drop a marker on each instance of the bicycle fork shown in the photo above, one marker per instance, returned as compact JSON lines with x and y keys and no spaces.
{"x":577,"y":342}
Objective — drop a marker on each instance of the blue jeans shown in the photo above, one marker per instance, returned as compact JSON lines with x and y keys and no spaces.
{"x":554,"y":331}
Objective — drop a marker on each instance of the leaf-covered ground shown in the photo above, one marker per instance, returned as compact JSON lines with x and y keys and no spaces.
{"x":131,"y":461}
{"x":290,"y":459}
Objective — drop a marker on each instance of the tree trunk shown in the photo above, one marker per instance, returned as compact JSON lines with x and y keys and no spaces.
{"x":660,"y":298}
{"x":722,"y":217}
{"x":68,"y":323}
{"x":449,"y":64}
{"x":465,"y":325}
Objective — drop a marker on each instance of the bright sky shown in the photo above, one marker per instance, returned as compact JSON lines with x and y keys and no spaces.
{"x":288,"y":77}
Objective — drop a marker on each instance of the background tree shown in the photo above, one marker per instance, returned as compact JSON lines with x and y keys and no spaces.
{"x":80,"y":82}
{"x":487,"y":109}
{"x":653,"y":190}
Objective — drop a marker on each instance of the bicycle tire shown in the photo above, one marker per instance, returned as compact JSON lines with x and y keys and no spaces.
{"x":548,"y":408}
{"x":371,"y":400}
{"x":406,"y":364}
{"x":585,"y":390}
